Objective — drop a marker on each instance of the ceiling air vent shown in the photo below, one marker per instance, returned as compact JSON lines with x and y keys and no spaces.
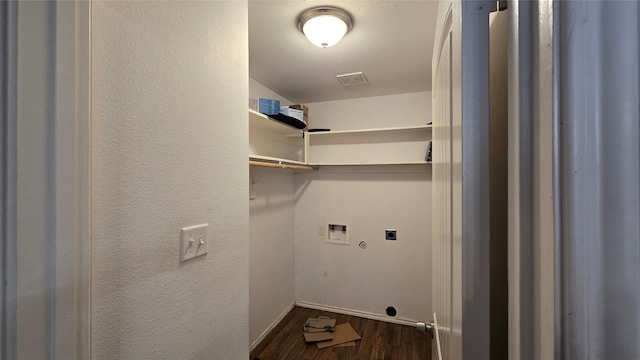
{"x":356,"y":78}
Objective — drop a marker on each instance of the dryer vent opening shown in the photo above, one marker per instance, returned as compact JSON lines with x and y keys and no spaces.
{"x":391,"y":311}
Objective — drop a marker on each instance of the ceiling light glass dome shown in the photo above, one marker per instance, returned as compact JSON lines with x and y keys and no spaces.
{"x":325,"y":26}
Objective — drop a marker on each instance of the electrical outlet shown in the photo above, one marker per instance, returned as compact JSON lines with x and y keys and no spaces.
{"x":193,"y":242}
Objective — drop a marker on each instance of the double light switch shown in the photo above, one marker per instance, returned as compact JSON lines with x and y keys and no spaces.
{"x":193,"y":242}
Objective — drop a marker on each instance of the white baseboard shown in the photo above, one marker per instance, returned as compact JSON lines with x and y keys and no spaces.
{"x":358,"y":313}
{"x":272,"y":326}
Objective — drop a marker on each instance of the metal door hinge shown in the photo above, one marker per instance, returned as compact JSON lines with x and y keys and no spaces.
{"x":486,"y":6}
{"x":424,"y":328}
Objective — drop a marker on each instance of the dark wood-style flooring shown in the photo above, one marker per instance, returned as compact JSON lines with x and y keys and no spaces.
{"x":380,"y":340}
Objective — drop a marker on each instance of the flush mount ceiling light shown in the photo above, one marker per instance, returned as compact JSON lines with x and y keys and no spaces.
{"x":325,"y":26}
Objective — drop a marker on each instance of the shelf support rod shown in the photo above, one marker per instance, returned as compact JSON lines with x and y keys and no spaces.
{"x":280,"y":165}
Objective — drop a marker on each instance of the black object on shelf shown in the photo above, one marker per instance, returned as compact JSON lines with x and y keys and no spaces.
{"x":318,"y":130}
{"x":291,"y":121}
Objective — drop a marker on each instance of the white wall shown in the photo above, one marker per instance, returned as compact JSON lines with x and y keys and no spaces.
{"x":372,"y":112}
{"x":257,"y":90}
{"x":386,"y":273}
{"x":169,"y":150}
{"x":271,"y":282}
{"x":369,"y":200}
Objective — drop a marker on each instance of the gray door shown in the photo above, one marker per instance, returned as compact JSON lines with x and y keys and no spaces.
{"x":575,"y":180}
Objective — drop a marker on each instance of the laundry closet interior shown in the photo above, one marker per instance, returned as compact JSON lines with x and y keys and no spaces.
{"x":322,"y":231}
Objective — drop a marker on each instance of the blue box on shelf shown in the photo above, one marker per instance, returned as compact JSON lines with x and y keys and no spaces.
{"x":268,"y":106}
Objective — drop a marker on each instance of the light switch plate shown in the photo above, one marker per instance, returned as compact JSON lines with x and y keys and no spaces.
{"x":193,"y":242}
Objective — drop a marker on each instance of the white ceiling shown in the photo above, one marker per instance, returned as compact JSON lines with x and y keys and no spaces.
{"x":391,"y":42}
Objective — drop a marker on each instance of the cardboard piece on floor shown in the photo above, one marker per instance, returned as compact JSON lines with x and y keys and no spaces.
{"x":344,"y":333}
{"x":347,"y":344}
{"x":318,"y":325}
{"x":318,"y":336}
{"x":314,"y":329}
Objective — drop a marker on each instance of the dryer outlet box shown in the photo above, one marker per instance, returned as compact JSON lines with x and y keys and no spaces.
{"x":390,"y":234}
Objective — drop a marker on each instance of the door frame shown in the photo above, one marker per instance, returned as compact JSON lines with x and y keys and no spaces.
{"x":469,"y":330}
{"x":45,"y":306}
{"x":534,"y":194}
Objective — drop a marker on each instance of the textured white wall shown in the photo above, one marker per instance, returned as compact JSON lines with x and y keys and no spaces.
{"x":271,"y":281}
{"x":372,"y":112}
{"x":257,"y":90}
{"x":369,"y":200}
{"x":386,"y":273}
{"x":169,"y":150}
